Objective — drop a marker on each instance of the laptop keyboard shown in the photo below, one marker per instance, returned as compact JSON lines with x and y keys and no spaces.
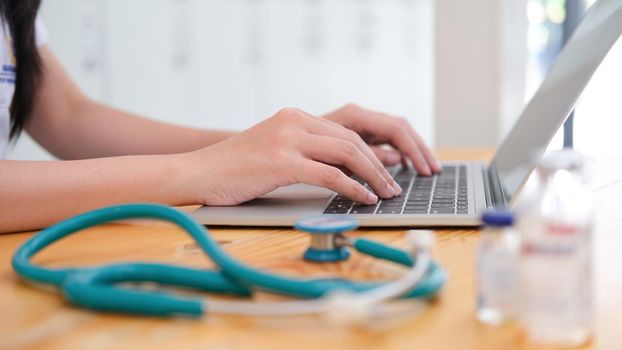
{"x":445,"y":193}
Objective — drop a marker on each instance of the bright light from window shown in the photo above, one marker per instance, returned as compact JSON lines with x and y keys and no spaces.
{"x":598,"y":120}
{"x":535,"y":12}
{"x":598,"y":117}
{"x":556,"y":11}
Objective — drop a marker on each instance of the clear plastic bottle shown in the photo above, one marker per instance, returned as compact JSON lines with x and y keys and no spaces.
{"x":497,"y":263}
{"x":555,"y":225}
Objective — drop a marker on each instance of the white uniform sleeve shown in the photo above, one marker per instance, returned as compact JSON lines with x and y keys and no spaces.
{"x":41,"y":34}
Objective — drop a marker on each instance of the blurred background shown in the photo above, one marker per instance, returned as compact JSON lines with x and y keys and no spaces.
{"x":460,"y":71}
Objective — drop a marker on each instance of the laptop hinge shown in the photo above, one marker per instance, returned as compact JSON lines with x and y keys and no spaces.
{"x":487,"y":194}
{"x":494,"y":192}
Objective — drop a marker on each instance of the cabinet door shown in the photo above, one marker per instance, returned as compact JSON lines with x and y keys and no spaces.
{"x":152,"y":60}
{"x":230,"y":50}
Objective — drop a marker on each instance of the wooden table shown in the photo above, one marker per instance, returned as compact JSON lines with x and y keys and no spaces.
{"x":36,"y":319}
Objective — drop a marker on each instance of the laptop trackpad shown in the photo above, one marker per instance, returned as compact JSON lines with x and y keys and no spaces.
{"x":292,"y":202}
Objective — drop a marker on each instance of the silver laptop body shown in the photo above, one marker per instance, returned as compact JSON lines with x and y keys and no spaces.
{"x":478,"y":186}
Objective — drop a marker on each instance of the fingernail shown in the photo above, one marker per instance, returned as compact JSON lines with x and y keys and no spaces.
{"x":397,"y":188}
{"x":437,"y":166}
{"x":390,"y":189}
{"x":427,"y":171}
{"x":372,"y":198}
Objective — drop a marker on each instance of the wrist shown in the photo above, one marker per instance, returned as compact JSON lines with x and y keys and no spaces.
{"x":210,"y":137}
{"x":179,"y":175}
{"x":195,"y":177}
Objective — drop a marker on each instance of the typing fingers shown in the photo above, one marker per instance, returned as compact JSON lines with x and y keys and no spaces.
{"x":321,"y":126}
{"x":399,"y":133}
{"x":324,"y":175}
{"x":382,"y":128}
{"x":341,"y":152}
{"x":427,"y":153}
{"x":387,"y":156}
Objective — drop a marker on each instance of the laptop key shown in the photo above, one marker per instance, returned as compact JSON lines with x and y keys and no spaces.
{"x":444,"y":195}
{"x":442,"y":205}
{"x":418,"y":204}
{"x":335,"y":211}
{"x":415,"y":211}
{"x":418,"y":199}
{"x":393,"y":200}
{"x":363,"y":209}
{"x":442,"y":211}
{"x":389,"y":211}
{"x":339,"y":205}
{"x":442,"y":200}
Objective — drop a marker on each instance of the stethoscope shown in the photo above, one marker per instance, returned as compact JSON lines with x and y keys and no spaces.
{"x":105,"y":288}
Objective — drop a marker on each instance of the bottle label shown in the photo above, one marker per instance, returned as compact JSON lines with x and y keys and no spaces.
{"x":497,"y":280}
{"x":556,"y":276}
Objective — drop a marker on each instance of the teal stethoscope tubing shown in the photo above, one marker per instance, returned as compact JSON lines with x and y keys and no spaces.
{"x":92,"y":287}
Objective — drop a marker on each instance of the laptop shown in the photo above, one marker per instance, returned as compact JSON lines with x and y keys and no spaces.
{"x":463,"y":190}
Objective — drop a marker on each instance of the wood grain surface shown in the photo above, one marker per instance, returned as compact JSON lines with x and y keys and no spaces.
{"x":33,"y":318}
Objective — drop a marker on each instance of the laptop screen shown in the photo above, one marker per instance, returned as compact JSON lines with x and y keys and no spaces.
{"x":553,"y":102}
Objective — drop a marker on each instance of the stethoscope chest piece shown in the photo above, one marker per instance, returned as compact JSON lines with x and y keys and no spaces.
{"x":326,"y":244}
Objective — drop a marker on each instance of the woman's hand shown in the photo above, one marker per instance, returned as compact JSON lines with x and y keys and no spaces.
{"x":378,"y":129}
{"x":291,"y":147}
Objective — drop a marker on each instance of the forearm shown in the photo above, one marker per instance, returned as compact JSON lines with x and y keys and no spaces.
{"x":94,"y":130}
{"x":37,"y":194}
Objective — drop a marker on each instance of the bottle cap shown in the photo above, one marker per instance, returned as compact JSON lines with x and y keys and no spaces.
{"x":498,"y":218}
